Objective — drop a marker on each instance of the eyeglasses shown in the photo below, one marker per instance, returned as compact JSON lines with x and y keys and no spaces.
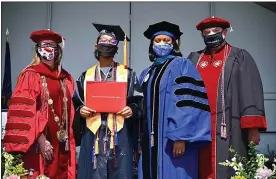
{"x":105,"y":41}
{"x":53,"y":45}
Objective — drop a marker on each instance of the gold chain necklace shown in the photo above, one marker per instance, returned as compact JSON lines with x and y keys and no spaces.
{"x":62,"y":134}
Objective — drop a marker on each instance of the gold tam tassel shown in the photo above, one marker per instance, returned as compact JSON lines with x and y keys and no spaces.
{"x":179,"y":42}
{"x":125,"y":52}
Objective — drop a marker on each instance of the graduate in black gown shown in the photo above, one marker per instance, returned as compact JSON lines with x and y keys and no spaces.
{"x":103,"y":155}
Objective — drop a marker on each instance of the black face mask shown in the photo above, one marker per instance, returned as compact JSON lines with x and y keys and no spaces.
{"x":213,"y":41}
{"x":107,"y":50}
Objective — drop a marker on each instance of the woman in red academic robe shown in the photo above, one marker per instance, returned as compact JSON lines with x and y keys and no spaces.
{"x":41,"y":112}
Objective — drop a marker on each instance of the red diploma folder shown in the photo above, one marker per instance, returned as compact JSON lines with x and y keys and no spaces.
{"x":109,"y":97}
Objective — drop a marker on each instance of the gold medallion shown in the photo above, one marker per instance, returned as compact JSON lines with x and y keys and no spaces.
{"x":62,"y":135}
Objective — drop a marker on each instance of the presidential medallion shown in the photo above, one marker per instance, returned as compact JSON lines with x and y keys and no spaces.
{"x":62,"y":135}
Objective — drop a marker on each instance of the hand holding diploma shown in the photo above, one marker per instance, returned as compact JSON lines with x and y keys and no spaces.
{"x":87,"y":112}
{"x":126,"y":112}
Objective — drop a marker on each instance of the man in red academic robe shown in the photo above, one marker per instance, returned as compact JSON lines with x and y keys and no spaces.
{"x":235,"y":95}
{"x":41,"y":112}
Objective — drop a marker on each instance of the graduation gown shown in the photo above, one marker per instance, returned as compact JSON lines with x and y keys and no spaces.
{"x":30,"y":115}
{"x":242,"y":104}
{"x":175,"y":99}
{"x":127,"y":137}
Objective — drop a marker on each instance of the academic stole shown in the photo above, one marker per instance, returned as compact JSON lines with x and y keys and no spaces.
{"x":115,"y":123}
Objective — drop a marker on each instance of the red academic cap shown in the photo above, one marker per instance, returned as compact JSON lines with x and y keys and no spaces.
{"x":213,"y":22}
{"x":41,"y":35}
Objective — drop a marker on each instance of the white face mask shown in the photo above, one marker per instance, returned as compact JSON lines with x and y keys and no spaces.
{"x":48,"y":50}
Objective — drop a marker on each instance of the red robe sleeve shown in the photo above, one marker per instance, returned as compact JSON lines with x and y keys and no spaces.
{"x":26,"y":119}
{"x":251,"y":97}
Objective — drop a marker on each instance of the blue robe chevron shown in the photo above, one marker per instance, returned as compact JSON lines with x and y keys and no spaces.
{"x":175,"y":95}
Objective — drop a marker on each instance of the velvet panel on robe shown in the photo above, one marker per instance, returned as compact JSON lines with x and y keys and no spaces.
{"x":210,"y":67}
{"x":29,"y":116}
{"x":244,"y":106}
{"x":127,"y":137}
{"x":180,"y":111}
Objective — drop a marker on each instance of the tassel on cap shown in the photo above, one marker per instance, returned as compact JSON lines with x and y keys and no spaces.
{"x":125,"y":52}
{"x":231,"y":28}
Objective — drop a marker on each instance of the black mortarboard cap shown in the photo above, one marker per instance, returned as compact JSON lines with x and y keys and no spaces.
{"x":163,"y":26}
{"x":116,"y":29}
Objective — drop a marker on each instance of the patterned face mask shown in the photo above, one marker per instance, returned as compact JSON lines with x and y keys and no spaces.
{"x":162,"y":50}
{"x":48,"y":51}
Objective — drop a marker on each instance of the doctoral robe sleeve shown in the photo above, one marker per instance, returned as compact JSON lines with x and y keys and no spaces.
{"x":189,"y":116}
{"x":79,"y":122}
{"x":251,"y":97}
{"x":26,"y":121}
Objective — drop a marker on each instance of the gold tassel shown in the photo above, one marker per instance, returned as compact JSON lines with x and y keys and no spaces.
{"x":97,"y":145}
{"x":112,"y":141}
{"x":125,"y":52}
{"x":179,"y":42}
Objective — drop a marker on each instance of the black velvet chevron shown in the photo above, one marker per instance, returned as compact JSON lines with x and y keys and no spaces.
{"x":191,"y":103}
{"x":187,"y":79}
{"x":188,"y":91}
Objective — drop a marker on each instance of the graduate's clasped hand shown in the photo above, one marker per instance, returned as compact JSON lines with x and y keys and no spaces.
{"x":87,"y":112}
{"x":126,"y":112}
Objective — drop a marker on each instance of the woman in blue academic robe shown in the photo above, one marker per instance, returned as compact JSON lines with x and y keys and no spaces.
{"x":176,"y":111}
